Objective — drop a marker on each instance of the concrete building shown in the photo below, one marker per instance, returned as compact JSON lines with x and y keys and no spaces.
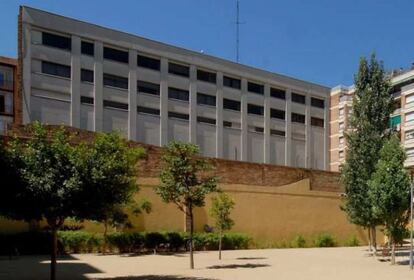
{"x":95,"y":78}
{"x":402,"y":118}
{"x":8,"y":90}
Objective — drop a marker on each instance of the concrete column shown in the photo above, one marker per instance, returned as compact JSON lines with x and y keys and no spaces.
{"x":308,"y":136}
{"x":266,"y":124}
{"x":27,"y":73}
{"x":193,"y":105}
{"x":288,"y":130}
{"x":164,"y":102}
{"x":326,"y":144}
{"x":132,"y":96}
{"x":75,"y":82}
{"x":98,"y":87}
{"x":244,"y":120}
{"x":219,"y":115}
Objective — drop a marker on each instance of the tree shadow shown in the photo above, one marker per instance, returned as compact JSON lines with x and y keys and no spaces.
{"x":251,"y":258}
{"x":234,"y":266}
{"x":157,"y":277}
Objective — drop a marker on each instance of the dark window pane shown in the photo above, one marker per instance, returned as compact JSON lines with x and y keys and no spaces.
{"x":255,"y":88}
{"x":255,"y":109}
{"x":87,"y":48}
{"x":298,"y":98}
{"x":206,"y":76}
{"x":231,"y":82}
{"x":87,"y":100}
{"x":278,"y":93}
{"x":116,"y":55}
{"x":146,"y":110}
{"x":298,"y":118}
{"x":114,"y":104}
{"x":56,"y":41}
{"x":180,"y":94}
{"x":178,"y":116}
{"x":2,"y":104}
{"x":206,"y":120}
{"x":149,"y":62}
{"x":258,"y":129}
{"x":276,"y":132}
{"x":115,"y":81}
{"x":147,"y":87}
{"x":86,"y":75}
{"x":55,"y":69}
{"x":178,"y":69}
{"x":316,"y":102}
{"x":317,"y":122}
{"x":205,"y":99}
{"x":227,"y":124}
{"x":277,"y":114}
{"x":231,"y":104}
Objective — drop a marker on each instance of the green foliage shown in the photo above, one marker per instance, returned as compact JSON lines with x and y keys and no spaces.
{"x":221,"y":206}
{"x":299,"y":241}
{"x":231,"y":241}
{"x":372,"y":106}
{"x":80,"y":241}
{"x":325,"y":240}
{"x":153,"y":240}
{"x":126,"y":242}
{"x":352,"y":242}
{"x":390,"y":190}
{"x":175,"y":240}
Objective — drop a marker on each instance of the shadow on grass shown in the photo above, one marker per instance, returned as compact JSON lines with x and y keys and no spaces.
{"x":234,"y":266}
{"x":157,"y":277}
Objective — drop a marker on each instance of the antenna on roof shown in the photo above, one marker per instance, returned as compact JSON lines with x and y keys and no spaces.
{"x":238,"y":22}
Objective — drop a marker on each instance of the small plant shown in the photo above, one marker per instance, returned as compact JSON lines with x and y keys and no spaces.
{"x":325,"y":240}
{"x":299,"y":241}
{"x":352,"y":242}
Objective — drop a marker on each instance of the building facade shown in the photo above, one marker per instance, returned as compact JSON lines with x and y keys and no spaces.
{"x":8,"y":90}
{"x":91,"y":77}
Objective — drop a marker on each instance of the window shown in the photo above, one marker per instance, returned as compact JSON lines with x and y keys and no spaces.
{"x":409,"y":98}
{"x":278,"y":93}
{"x":56,"y":41}
{"x":341,"y":126}
{"x":409,"y":117}
{"x":298,"y":98}
{"x":409,"y":135}
{"x":206,"y":120}
{"x":86,"y":100}
{"x":341,"y":140}
{"x":298,"y":118}
{"x":204,"y":99}
{"x":317,"y":122}
{"x":179,"y":94}
{"x":86,"y":75}
{"x":206,"y":76}
{"x":410,"y":152}
{"x":2,"y":104}
{"x":147,"y":110}
{"x":316,"y":102}
{"x":116,"y":55}
{"x":341,"y":154}
{"x":87,"y":48}
{"x":277,"y":114}
{"x":149,"y":62}
{"x":276,"y":132}
{"x":6,"y":77}
{"x":341,"y":112}
{"x":181,"y":116}
{"x":255,"y":109}
{"x":115,"y":81}
{"x":178,"y":69}
{"x":255,"y":88}
{"x":116,"y":105}
{"x":258,"y":129}
{"x":55,"y":69}
{"x":231,"y":82}
{"x":231,"y":104}
{"x":227,"y":124}
{"x":149,"y":88}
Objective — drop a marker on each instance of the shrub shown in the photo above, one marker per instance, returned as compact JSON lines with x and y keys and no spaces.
{"x":325,"y":240}
{"x":154,"y":240}
{"x":299,"y":242}
{"x":126,"y":242}
{"x":234,"y":241}
{"x":175,"y":240}
{"x":26,"y":243}
{"x":352,"y":242}
{"x":80,"y":241}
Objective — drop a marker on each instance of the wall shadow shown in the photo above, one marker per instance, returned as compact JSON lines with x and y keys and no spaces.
{"x":158,"y":277}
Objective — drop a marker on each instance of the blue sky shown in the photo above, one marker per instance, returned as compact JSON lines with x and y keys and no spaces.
{"x":319,"y":40}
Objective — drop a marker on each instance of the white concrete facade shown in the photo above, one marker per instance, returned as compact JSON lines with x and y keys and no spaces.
{"x":171,"y":107}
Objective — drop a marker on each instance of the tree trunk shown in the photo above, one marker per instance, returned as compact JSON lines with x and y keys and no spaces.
{"x":190,"y":210}
{"x":53,"y":254}
{"x":374,"y":238}
{"x":392,"y":251}
{"x":105,"y":234}
{"x":220,"y":240}
{"x":369,"y":239}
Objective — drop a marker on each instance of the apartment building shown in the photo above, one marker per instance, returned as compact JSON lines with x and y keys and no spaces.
{"x":8,"y":90}
{"x":99,"y":79}
{"x":401,"y":120}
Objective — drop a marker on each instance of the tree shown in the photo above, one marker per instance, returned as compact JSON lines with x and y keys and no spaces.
{"x":390,"y":192}
{"x":221,"y":206}
{"x":48,"y":181}
{"x":108,"y":170}
{"x":184,"y":181}
{"x":372,"y":106}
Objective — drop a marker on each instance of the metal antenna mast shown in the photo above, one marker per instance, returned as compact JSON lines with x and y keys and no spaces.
{"x":238,"y":22}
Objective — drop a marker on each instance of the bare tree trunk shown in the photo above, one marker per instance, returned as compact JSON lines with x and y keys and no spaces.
{"x":53,"y":254}
{"x":369,"y":239}
{"x":392,"y":251}
{"x":105,"y":237}
{"x":374,"y":238}
{"x":190,"y":210}
{"x":220,"y":240}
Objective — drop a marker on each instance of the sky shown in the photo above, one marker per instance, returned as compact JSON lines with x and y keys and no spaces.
{"x":315,"y":40}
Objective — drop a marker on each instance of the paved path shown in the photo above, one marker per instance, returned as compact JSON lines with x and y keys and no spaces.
{"x":281,"y":264}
